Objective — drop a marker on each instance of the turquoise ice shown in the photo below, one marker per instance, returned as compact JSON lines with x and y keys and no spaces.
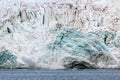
{"x":7,"y":60}
{"x":81,"y":46}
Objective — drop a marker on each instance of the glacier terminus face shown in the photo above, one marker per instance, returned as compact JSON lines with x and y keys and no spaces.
{"x":59,"y":34}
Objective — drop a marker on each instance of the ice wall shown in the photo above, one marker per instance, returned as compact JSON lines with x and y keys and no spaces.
{"x":27,"y":28}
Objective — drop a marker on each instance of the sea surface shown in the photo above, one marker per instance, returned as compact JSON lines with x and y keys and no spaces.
{"x":21,"y":74}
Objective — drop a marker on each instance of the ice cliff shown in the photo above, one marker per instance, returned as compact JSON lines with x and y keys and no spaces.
{"x":60,"y":34}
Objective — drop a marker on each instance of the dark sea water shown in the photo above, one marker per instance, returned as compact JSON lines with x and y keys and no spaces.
{"x":100,"y":74}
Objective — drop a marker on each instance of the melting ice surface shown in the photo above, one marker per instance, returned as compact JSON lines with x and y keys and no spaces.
{"x":53,"y":36}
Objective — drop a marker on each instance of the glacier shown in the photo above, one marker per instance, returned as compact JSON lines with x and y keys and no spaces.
{"x":59,"y":34}
{"x":7,"y":60}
